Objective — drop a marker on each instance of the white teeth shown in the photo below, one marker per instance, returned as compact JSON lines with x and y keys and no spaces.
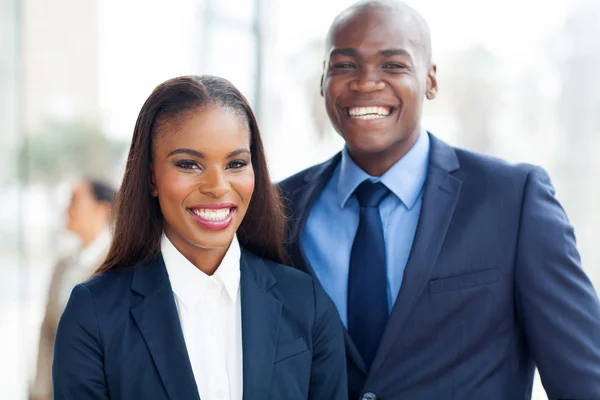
{"x":369,"y":112}
{"x":212,"y":215}
{"x":369,"y":116}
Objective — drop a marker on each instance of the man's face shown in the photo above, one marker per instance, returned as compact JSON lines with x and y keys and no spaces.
{"x":376,"y":75}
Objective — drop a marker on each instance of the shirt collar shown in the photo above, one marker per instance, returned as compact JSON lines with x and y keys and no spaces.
{"x":405,"y":178}
{"x":188,"y":282}
{"x":90,"y":254}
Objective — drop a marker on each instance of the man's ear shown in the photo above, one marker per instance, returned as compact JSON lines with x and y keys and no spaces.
{"x":432,"y":85}
{"x":322,"y":78}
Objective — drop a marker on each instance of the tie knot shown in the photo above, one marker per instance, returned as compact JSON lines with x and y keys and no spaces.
{"x":370,"y":194}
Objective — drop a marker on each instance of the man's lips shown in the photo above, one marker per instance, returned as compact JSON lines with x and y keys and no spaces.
{"x":369,"y":112}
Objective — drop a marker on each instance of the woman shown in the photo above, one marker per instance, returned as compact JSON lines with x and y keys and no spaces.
{"x":191,"y":301}
{"x":88,"y":219}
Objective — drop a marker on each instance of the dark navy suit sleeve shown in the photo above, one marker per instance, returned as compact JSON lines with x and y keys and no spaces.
{"x":328,"y":372}
{"x":77,"y":370}
{"x":556,"y":302}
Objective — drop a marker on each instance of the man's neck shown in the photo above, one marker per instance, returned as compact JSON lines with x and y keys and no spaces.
{"x":377,"y":164}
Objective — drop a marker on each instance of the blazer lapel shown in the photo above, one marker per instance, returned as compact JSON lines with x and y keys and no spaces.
{"x":261,"y":313}
{"x":441,"y":193}
{"x":157,"y":318}
{"x":302,"y":200}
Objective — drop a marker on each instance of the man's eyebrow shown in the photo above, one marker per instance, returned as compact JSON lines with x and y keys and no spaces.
{"x":349,"y":52}
{"x":394,"y":52}
{"x":344,"y":52}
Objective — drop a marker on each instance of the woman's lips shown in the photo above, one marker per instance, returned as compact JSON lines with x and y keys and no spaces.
{"x":213,"y":216}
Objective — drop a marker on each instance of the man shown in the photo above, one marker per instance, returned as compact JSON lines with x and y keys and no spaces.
{"x":454,"y":273}
{"x":88,"y":218}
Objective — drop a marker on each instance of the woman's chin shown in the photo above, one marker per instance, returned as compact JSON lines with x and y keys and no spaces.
{"x":213,"y":239}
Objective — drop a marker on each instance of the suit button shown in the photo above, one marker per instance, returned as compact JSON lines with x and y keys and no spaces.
{"x":369,"y":396}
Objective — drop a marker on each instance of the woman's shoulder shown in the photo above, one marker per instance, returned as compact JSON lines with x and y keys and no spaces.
{"x":284,"y":274}
{"x":302,"y":296}
{"x":113,"y":284}
{"x":289,"y":284}
{"x":109,"y":279}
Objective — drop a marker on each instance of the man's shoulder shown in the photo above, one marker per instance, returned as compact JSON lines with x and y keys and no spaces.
{"x":486,"y":175}
{"x":298,"y":179}
{"x":484,"y":166}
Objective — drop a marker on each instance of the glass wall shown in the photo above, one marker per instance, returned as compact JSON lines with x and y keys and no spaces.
{"x":514,"y":82}
{"x":13,"y":293}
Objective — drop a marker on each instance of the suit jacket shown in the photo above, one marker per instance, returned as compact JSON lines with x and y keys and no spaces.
{"x":120,"y":338}
{"x":68,"y":272}
{"x":493,"y":286}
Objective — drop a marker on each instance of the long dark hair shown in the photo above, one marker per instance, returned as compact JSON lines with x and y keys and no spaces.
{"x":137,"y":216}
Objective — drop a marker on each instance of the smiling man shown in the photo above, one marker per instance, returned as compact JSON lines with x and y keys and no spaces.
{"x":454,"y":273}
{"x":379,"y":118}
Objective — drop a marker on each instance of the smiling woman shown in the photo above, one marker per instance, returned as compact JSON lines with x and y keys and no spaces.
{"x":193,"y":134}
{"x":193,"y":268}
{"x":203,"y":178}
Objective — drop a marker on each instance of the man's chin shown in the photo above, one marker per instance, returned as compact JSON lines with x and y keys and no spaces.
{"x":367,"y":146}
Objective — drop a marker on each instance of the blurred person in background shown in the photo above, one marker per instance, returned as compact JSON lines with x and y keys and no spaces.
{"x":455,"y":273}
{"x":192,"y":301}
{"x":88,"y":219}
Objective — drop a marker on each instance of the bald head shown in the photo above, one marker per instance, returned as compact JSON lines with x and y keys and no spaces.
{"x":412,"y":24}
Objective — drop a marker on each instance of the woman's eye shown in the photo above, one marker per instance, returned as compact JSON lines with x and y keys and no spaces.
{"x":237,"y":164}
{"x":186,"y":164}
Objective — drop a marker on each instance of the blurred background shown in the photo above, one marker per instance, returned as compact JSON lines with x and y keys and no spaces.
{"x":518,"y":79}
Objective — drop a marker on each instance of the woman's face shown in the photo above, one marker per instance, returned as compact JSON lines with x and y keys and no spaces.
{"x":202,"y":175}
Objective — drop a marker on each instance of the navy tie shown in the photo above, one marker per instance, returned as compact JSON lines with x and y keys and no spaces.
{"x":367,"y":279}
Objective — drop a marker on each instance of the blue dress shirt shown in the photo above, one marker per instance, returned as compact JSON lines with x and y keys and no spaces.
{"x":327,"y":244}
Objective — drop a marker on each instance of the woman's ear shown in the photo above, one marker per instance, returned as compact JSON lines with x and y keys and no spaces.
{"x":153,"y":189}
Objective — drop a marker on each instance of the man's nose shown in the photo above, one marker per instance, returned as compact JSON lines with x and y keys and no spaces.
{"x":367,"y":81}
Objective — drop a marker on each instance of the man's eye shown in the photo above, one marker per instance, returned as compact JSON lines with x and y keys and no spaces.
{"x":343,"y":65}
{"x":394,"y":66}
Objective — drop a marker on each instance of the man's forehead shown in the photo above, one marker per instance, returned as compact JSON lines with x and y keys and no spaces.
{"x":379,"y":28}
{"x":372,"y":31}
{"x":375,"y":35}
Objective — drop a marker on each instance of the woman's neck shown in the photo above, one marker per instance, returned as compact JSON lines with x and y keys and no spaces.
{"x":206,"y":260}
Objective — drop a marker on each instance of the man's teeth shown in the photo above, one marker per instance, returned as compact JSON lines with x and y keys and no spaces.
{"x":369,"y":112}
{"x":212,"y":215}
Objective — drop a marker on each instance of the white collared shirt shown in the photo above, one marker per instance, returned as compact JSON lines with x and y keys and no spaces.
{"x":82,"y":264}
{"x":209,"y":309}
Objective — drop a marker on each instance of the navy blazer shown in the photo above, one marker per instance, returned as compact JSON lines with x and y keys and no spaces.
{"x":493,"y":286}
{"x":120,"y":338}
